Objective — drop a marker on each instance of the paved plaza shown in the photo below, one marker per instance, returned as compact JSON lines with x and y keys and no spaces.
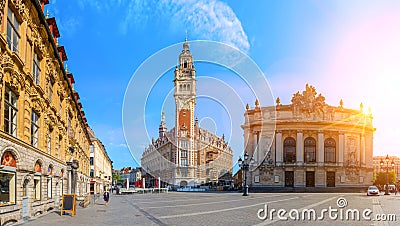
{"x":181,"y":208}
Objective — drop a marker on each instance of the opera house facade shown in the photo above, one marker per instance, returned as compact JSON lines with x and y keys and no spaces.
{"x":309,"y":144}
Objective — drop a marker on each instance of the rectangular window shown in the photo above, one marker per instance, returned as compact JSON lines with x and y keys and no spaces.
{"x":34,"y":129}
{"x":36,"y":68}
{"x":184,"y":144}
{"x":91,"y":161}
{"x":91,"y":148}
{"x":184,"y":153}
{"x":37,"y":187}
{"x":12,"y":32}
{"x":7,"y":188}
{"x":10,"y":112}
{"x":184,"y":162}
{"x":92,"y":173}
{"x":49,"y":188}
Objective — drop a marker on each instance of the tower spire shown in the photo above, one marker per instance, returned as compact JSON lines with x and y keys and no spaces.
{"x":163,"y":127}
{"x":186,"y":38}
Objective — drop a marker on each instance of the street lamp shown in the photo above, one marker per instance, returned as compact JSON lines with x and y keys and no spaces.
{"x":387,"y":167}
{"x":245,"y":164}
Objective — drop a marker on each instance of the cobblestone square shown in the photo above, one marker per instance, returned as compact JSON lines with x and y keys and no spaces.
{"x":177,"y":208}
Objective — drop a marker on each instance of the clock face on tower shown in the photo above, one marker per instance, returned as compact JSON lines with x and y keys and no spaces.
{"x":184,"y":102}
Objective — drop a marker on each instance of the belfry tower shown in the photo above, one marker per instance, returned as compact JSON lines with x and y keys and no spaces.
{"x":185,"y":102}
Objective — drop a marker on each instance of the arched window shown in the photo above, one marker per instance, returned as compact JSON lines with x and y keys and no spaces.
{"x":8,"y":159}
{"x":289,"y":150}
{"x":330,"y":150}
{"x":188,"y":87}
{"x":309,"y":149}
{"x":37,"y":181}
{"x":7,"y":179}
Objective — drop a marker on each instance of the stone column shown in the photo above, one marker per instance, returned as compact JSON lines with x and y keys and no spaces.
{"x":363,"y":150}
{"x":69,"y":175}
{"x":74,"y":176}
{"x":278,"y":148}
{"x":341,"y":149}
{"x":320,"y":149}
{"x":255,"y":150}
{"x":299,"y":148}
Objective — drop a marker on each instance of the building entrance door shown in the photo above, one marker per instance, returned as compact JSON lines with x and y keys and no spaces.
{"x":25,"y":200}
{"x":330,"y":179}
{"x":310,"y":179}
{"x":289,"y":179}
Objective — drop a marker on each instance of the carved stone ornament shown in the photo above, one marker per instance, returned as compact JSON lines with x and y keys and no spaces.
{"x":2,"y":4}
{"x":16,"y":81}
{"x":49,"y":68}
{"x":308,"y":102}
{"x":20,"y":6}
{"x":6,"y":61}
{"x":50,"y":119}
{"x":37,"y":104}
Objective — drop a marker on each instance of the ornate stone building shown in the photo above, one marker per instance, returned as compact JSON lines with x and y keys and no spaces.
{"x":100,"y":166}
{"x":187,"y":154}
{"x":44,"y":144}
{"x":309,"y":144}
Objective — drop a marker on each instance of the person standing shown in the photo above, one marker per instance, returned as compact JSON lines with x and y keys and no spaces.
{"x":106,"y":197}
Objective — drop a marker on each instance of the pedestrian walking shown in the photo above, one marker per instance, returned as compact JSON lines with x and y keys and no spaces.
{"x":106,"y":197}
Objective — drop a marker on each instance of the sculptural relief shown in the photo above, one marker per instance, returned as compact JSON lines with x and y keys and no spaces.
{"x":308,"y":105}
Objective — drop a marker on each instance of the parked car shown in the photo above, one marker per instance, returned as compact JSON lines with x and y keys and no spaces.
{"x":372,"y":190}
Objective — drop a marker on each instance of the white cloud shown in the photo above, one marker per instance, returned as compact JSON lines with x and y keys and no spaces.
{"x":205,"y":19}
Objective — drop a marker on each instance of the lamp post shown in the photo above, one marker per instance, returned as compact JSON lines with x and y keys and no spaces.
{"x":387,"y":167}
{"x":245,"y":164}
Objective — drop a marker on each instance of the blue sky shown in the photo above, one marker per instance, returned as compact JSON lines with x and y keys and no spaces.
{"x":348,"y":49}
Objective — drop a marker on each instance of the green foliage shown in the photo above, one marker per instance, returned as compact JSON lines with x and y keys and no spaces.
{"x":117,"y":177}
{"x":380,"y":178}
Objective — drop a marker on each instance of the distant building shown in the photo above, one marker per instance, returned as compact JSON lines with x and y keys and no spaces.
{"x":377,"y":165}
{"x":129,"y":174}
{"x":313,"y":144}
{"x":187,"y":154}
{"x":100,"y":166}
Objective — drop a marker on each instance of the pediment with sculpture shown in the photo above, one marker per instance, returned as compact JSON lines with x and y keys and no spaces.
{"x":308,"y":103}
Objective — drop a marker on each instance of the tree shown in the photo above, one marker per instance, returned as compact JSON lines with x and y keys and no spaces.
{"x":117,"y":177}
{"x":381,"y":178}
